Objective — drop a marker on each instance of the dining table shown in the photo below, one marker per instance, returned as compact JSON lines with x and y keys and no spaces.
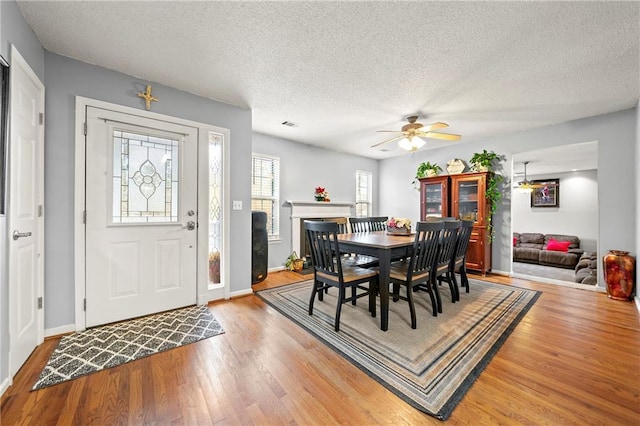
{"x":385,"y":247}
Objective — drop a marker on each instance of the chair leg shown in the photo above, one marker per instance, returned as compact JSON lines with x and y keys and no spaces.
{"x":339,"y":308}
{"x":463,"y":277}
{"x":353,"y":294}
{"x":373,"y":291}
{"x":454,"y":285}
{"x":396,"y":291}
{"x":434,"y":286}
{"x":434,"y":305}
{"x":412,"y":308}
{"x":313,"y":296}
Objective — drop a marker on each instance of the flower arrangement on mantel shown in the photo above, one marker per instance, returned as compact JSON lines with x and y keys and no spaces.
{"x":399,"y":225}
{"x":321,"y":194}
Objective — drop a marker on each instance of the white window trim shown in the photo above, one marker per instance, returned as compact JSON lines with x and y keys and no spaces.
{"x":275,"y":236}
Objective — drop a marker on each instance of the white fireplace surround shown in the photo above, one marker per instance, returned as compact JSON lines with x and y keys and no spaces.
{"x":301,"y":210}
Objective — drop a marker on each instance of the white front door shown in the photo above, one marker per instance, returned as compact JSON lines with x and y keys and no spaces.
{"x":25,"y":230}
{"x":141,"y":216}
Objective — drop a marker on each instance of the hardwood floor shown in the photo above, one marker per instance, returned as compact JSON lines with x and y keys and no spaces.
{"x":573,"y":359}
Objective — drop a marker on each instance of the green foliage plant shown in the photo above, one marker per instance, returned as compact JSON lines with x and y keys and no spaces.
{"x":423,"y":169}
{"x":484,"y":160}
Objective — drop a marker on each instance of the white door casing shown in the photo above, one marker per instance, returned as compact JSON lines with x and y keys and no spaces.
{"x":25,"y":211}
{"x":135,"y":268}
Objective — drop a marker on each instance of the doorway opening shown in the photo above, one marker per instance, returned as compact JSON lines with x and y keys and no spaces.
{"x":572,"y":170}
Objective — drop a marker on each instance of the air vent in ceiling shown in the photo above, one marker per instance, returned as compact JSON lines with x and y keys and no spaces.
{"x":289,"y":124}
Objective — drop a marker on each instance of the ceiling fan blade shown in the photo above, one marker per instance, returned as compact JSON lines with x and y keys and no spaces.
{"x":388,"y":140}
{"x":390,"y":131}
{"x":434,"y":126}
{"x":444,"y":136}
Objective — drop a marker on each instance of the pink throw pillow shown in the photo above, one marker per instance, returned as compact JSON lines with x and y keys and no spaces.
{"x":515,"y":241}
{"x":555,"y":245}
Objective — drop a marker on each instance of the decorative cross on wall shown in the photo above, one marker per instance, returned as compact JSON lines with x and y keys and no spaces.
{"x":146,"y":95}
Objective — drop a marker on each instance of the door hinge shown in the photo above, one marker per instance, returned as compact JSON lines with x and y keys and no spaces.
{"x":41,"y":118}
{"x":40,"y":302}
{"x":84,"y":217}
{"x":40,"y":210}
{"x":84,"y":128}
{"x":84,"y":304}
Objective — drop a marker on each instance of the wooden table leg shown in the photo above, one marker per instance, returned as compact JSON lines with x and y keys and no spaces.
{"x":384,"y":268}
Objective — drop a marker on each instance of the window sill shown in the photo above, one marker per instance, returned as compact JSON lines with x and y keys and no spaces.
{"x":274,"y":241}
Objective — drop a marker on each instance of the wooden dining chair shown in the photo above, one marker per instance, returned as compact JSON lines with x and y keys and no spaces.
{"x":417,"y":270}
{"x":446,"y":254}
{"x":329,"y":270}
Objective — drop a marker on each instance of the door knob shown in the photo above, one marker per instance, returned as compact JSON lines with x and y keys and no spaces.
{"x":17,"y":234}
{"x":191,"y":225}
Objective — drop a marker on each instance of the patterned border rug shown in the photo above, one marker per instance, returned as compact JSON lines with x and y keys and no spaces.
{"x":92,"y":350}
{"x":431,"y":367}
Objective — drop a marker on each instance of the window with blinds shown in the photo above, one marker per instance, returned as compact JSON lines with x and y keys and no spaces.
{"x":363,"y":194}
{"x":265,"y":190}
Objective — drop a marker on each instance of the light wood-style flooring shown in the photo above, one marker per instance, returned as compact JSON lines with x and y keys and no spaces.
{"x":573,"y":359}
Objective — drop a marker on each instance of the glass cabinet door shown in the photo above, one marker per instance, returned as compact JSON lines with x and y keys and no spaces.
{"x":434,"y":198}
{"x":468,"y":193}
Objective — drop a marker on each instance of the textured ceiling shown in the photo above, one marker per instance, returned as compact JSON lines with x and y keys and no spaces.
{"x":342,"y":70}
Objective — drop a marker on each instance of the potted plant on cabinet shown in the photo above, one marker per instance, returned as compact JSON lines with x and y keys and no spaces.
{"x":426,"y":169}
{"x":484,"y":161}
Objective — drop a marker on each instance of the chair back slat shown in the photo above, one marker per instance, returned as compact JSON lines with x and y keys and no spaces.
{"x":366,"y":224}
{"x":425,"y":247}
{"x":448,"y":241}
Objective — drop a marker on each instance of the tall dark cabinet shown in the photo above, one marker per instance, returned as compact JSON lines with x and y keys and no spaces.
{"x":465,"y":199}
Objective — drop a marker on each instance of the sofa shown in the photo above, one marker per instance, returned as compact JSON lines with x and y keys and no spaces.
{"x":557,"y":250}
{"x":587,"y":269}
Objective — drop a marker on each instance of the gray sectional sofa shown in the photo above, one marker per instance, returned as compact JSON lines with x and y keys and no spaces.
{"x":532,"y":248}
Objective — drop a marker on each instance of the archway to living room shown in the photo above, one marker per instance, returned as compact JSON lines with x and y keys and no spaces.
{"x":560,"y":212}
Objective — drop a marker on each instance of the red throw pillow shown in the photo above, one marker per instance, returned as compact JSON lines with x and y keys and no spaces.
{"x":515,"y":241}
{"x":555,"y":245}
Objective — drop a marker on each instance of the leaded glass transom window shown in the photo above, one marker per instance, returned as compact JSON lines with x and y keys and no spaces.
{"x":145,"y":178}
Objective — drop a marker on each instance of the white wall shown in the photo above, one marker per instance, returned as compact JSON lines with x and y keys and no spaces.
{"x":303,"y":168}
{"x":577,"y":213}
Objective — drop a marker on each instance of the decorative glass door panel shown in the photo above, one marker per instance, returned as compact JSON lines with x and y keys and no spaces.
{"x":468,"y":200}
{"x":145,"y":178}
{"x":215,"y":207}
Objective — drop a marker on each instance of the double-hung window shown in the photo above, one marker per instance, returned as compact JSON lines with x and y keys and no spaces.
{"x":265,"y":190}
{"x":363,"y":194}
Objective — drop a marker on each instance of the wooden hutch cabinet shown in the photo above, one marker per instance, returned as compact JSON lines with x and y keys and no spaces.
{"x":465,"y":199}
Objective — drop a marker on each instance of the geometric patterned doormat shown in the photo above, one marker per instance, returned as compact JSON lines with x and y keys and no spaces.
{"x":96,"y":349}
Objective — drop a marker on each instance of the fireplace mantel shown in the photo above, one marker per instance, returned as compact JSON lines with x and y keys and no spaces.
{"x":314,"y":209}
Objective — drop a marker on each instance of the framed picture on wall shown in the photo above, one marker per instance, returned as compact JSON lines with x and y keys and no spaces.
{"x":4,"y":111}
{"x":546,"y":193}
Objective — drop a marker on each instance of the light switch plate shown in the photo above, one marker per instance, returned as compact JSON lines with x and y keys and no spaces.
{"x":237,"y":205}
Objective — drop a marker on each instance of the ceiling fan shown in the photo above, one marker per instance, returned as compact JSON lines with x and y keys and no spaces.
{"x":411,"y":135}
{"x":527,"y":185}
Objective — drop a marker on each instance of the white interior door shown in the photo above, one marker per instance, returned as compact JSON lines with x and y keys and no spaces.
{"x":25,"y":212}
{"x":141,"y":204}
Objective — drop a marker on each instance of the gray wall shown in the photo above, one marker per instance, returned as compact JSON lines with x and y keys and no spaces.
{"x":303,"y":168}
{"x":637,"y":200}
{"x":67,"y":78}
{"x":617,"y":145}
{"x":13,"y":30}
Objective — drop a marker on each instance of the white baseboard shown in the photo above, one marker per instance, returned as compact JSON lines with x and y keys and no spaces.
{"x":64,"y":329}
{"x":276,"y":269}
{"x":499,"y":272}
{"x":5,"y":385}
{"x":637,"y":300}
{"x":240,"y":293}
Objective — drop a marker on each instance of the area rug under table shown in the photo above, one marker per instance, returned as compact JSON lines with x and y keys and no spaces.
{"x":431,"y":367}
{"x":92,"y":350}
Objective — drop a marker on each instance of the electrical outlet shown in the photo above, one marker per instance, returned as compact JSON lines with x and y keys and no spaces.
{"x":237,"y":205}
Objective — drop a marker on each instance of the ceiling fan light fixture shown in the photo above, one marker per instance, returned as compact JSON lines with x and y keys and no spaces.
{"x":525,"y":185}
{"x":412,"y":143}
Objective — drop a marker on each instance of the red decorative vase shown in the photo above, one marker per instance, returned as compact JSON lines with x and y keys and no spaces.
{"x":619,"y":274}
